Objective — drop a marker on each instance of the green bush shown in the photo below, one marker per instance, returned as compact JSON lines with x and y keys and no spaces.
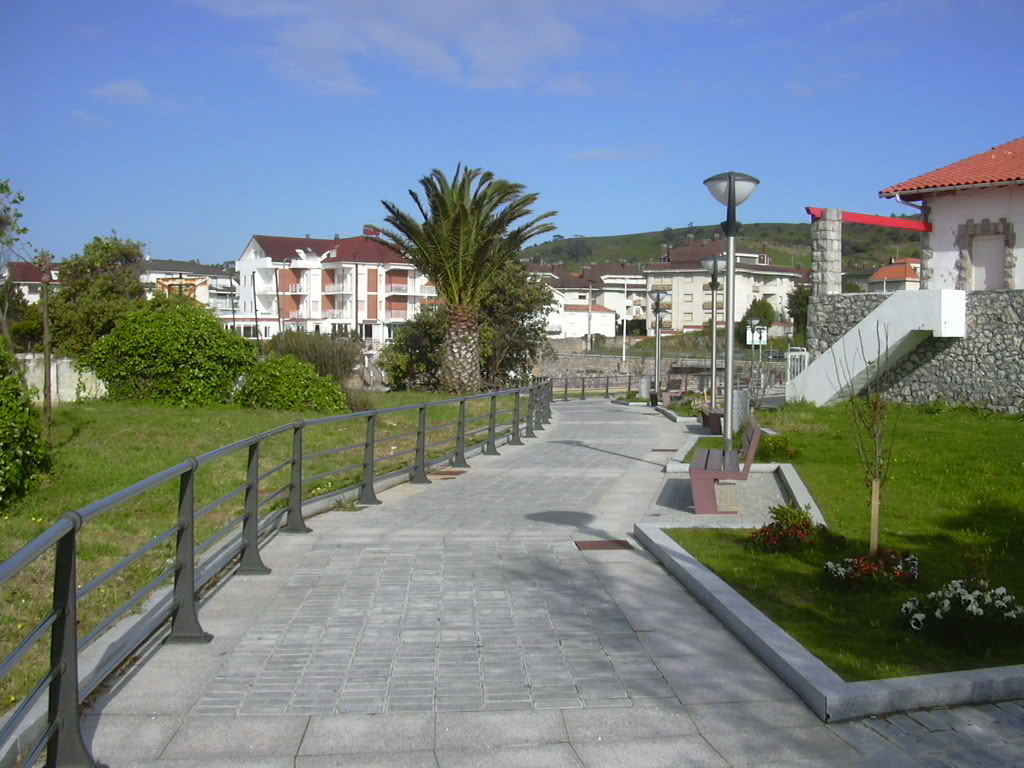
{"x":171,"y":353}
{"x":23,"y":454}
{"x":288,"y":384}
{"x":775,"y":448}
{"x":334,"y":357}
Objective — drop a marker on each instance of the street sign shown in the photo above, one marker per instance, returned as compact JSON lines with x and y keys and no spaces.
{"x":757,"y":336}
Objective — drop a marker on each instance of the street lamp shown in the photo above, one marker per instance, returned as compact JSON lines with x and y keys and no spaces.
{"x":657,"y":297}
{"x":730,"y":189}
{"x":753,"y":322}
{"x":715,"y":265}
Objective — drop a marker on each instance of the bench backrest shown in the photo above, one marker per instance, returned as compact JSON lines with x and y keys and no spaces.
{"x":751,"y":439}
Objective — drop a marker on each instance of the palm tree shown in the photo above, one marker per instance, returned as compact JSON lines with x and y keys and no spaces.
{"x":471,"y":227}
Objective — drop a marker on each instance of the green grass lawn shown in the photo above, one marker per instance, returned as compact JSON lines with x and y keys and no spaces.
{"x":955,"y":498}
{"x":101,"y":447}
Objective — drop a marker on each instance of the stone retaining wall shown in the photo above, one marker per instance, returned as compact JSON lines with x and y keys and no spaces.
{"x":986,"y":367}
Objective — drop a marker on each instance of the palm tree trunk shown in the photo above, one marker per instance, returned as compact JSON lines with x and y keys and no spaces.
{"x":460,"y":366}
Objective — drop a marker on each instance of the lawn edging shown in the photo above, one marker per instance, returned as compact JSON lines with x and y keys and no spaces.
{"x":827,"y":695}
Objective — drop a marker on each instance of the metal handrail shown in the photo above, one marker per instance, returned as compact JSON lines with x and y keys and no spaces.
{"x":62,"y":737}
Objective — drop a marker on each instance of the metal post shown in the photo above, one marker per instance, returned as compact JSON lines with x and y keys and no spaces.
{"x":565,"y":394}
{"x":251,"y":562}
{"x":583,"y":386}
{"x":538,"y":412}
{"x":531,"y":409}
{"x":714,"y":334}
{"x":366,"y":494}
{"x":629,"y":384}
{"x":607,"y":379}
{"x":66,"y":746}
{"x":295,"y":522}
{"x":516,"y":439}
{"x":459,"y":459}
{"x":730,"y":330}
{"x":185,"y":627}
{"x":491,"y":449}
{"x":547,"y":398}
{"x":419,"y":472}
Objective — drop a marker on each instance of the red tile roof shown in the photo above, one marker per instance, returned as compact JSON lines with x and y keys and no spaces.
{"x":1000,"y":165}
{"x":360,"y":248}
{"x":583,"y":308}
{"x":24,"y":272}
{"x":903,"y":270}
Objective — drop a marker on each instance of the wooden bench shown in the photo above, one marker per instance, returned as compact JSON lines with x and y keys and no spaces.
{"x":711,"y":418}
{"x":710,"y":466}
{"x":672,"y":392}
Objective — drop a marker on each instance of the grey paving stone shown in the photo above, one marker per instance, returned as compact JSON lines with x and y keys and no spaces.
{"x":649,"y":722}
{"x":472,"y":730}
{"x":114,"y":738}
{"x":218,"y":737}
{"x":340,"y":734}
{"x":541,"y":756}
{"x":781,"y":745}
{"x":690,"y":751}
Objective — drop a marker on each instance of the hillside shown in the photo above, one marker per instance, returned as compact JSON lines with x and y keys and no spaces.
{"x":787,"y":244}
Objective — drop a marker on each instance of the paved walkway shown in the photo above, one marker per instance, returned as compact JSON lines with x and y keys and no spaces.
{"x":458,"y":624}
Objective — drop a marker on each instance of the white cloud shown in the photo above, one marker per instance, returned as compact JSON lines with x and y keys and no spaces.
{"x":472,"y":43}
{"x":89,"y":118}
{"x":122,"y":92}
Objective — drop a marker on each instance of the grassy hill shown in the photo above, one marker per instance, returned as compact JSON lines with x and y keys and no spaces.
{"x":788,"y":244}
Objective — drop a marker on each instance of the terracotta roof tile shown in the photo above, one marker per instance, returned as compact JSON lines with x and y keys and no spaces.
{"x":1002,"y":164}
{"x":583,"y":308}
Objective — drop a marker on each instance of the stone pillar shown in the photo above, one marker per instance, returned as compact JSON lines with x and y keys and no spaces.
{"x":827,"y":253}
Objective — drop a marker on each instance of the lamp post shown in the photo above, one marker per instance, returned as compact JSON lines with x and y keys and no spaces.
{"x":730,"y":189}
{"x":753,"y":322}
{"x":714,"y":265}
{"x":657,"y":297}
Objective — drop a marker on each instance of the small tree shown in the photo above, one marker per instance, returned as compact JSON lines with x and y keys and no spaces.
{"x":288,"y":384}
{"x":171,"y":352}
{"x":99,"y":287}
{"x":23,"y":453}
{"x":796,"y":305}
{"x":873,"y":419}
{"x":763,"y":310}
{"x":336,"y":357}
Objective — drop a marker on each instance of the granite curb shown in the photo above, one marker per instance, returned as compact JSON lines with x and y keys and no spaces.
{"x":829,"y":697}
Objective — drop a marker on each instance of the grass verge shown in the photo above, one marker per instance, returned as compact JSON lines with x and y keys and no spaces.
{"x":955,"y":498}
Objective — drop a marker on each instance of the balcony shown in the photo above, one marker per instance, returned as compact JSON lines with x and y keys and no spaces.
{"x":396,"y":314}
{"x":336,"y":288}
{"x":396,"y":287}
{"x":338,"y":314}
{"x":296,"y":288}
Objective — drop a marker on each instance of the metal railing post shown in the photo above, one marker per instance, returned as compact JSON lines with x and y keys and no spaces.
{"x":547,"y":399}
{"x":66,"y":746}
{"x":516,"y":438}
{"x":419,"y":472}
{"x":531,"y":407}
{"x":565,"y":394}
{"x":295,"y":522}
{"x":251,"y":562}
{"x":538,"y":411}
{"x":491,"y":449}
{"x":459,"y":459}
{"x":607,"y":383}
{"x":185,"y":627}
{"x":583,"y":386}
{"x":629,"y":384}
{"x":366,"y":492}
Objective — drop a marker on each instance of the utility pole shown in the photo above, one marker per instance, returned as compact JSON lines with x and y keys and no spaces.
{"x":590,"y":302}
{"x":45,"y":264}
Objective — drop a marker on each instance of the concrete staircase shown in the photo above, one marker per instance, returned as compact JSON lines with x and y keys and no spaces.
{"x":879,"y":342}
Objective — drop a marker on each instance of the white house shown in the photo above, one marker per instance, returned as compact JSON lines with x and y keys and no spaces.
{"x":974,"y":207}
{"x":575,"y":313}
{"x":327,"y":286}
{"x":689,"y":286}
{"x":210,"y":286}
{"x":28,"y":278}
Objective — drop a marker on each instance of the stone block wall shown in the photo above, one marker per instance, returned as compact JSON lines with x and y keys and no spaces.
{"x":986,"y":367}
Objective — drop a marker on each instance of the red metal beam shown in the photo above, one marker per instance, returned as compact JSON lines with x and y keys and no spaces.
{"x":875,"y":221}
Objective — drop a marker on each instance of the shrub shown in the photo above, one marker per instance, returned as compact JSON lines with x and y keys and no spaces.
{"x":776,"y":448}
{"x":288,"y":384}
{"x":790,"y":529}
{"x":334,"y":357}
{"x":171,"y":353}
{"x":360,"y":400}
{"x":23,"y":454}
{"x":883,"y":568}
{"x":965,"y":607}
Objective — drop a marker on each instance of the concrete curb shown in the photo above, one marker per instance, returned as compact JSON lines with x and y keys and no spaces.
{"x":829,"y":696}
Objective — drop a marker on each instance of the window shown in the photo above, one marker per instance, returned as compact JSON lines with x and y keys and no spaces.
{"x":687,"y":316}
{"x":581,"y":296}
{"x":687,"y":297}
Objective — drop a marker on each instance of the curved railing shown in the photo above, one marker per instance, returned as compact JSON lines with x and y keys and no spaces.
{"x":273,"y":497}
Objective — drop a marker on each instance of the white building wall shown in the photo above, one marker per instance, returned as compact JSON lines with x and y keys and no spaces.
{"x":949,"y":212}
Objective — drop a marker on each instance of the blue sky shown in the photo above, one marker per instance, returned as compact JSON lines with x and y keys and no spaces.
{"x":192,"y":124}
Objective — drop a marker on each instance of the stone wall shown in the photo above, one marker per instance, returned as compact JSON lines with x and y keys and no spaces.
{"x":986,"y":367}
{"x":67,"y":383}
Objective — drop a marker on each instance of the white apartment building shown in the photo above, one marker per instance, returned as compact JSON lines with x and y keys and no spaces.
{"x":689,"y":285}
{"x":327,"y":286}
